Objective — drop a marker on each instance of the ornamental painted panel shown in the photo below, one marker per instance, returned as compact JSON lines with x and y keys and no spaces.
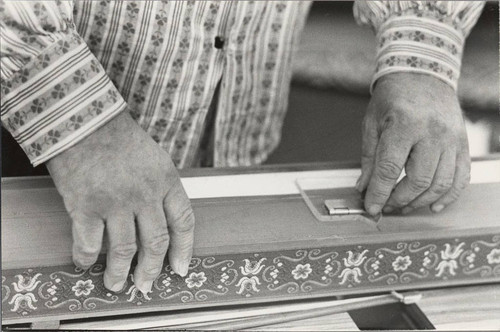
{"x":63,"y":291}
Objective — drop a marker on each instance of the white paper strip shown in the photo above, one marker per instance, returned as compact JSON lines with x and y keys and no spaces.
{"x":284,"y":183}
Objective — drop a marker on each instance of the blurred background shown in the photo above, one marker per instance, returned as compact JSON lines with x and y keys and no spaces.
{"x":330,"y":91}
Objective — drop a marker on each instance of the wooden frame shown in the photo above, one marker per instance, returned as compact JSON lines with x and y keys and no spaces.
{"x":250,"y":249}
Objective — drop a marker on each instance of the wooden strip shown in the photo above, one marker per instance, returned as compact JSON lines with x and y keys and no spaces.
{"x":336,"y":322}
{"x":192,"y":319}
{"x":284,"y":183}
{"x":288,"y":317}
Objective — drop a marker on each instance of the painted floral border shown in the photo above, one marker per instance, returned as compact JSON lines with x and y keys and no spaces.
{"x":63,"y":290}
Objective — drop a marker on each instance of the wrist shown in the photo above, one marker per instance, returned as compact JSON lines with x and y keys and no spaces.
{"x":108,"y":136}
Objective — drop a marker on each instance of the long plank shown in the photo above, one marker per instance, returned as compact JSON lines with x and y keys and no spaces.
{"x":181,"y":320}
{"x":250,"y":249}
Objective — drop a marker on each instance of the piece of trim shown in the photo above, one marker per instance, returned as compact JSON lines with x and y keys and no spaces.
{"x":66,"y":292}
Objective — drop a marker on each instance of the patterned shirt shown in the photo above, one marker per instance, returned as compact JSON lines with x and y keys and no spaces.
{"x":69,"y":67}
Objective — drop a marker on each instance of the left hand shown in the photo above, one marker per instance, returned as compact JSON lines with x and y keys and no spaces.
{"x":413,"y":121}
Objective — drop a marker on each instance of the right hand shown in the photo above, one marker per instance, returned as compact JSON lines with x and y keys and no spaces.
{"x":120,"y":180}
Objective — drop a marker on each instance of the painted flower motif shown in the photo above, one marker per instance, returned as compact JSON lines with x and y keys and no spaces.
{"x":426,"y":262}
{"x":196,"y":279}
{"x":26,"y":283}
{"x":494,"y":256}
{"x":23,"y":303}
{"x":83,"y":287}
{"x":224,"y":277}
{"x":301,"y":271}
{"x":470,"y":258}
{"x":352,"y":272}
{"x":328,"y":268}
{"x":274,"y":273}
{"x":167,"y":282}
{"x":401,"y":263}
{"x":248,"y":285}
{"x":449,"y":256}
{"x":252,"y":267}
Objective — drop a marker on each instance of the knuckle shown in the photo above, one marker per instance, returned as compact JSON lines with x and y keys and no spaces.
{"x":185,"y":223}
{"x":453,"y":195}
{"x":84,"y":258}
{"x":442,"y":186}
{"x":124,"y":251}
{"x":377,"y":194}
{"x":420,"y":183}
{"x":158,"y":245}
{"x":152,"y":272}
{"x":388,"y":170}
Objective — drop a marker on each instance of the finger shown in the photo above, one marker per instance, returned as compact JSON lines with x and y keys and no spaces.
{"x":420,"y":169}
{"x":442,"y":182}
{"x":368,"y":150}
{"x":180,"y":220}
{"x":153,"y":235}
{"x":122,"y":248}
{"x":392,"y":152}
{"x":460,"y":182}
{"x":87,"y":239}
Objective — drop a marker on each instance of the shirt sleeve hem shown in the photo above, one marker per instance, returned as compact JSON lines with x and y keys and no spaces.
{"x":410,"y":43}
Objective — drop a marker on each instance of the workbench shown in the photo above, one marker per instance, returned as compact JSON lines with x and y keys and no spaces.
{"x":257,"y":245}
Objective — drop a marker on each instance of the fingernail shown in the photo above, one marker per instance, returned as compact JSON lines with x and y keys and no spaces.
{"x":388,"y":209}
{"x":374,"y":210}
{"x":437,"y":208}
{"x":117,"y":286}
{"x":183,"y":268}
{"x":406,"y":210}
{"x":145,"y":286}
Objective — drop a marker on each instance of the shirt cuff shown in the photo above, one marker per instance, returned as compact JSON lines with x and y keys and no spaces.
{"x":59,"y":98}
{"x":412,"y":42}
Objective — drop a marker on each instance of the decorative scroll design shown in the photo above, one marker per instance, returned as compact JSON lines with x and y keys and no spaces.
{"x":57,"y":291}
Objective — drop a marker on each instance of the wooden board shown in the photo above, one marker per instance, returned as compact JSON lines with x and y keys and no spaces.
{"x":249,"y":249}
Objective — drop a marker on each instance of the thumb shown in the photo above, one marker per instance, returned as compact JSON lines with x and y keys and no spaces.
{"x":368,"y":151}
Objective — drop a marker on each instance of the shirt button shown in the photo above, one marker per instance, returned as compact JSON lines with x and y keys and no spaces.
{"x":219,"y":42}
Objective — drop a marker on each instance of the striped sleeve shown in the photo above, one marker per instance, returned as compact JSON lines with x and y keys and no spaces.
{"x":54,"y":91}
{"x":419,"y":36}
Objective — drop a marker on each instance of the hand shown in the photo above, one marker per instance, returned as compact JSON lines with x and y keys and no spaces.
{"x":413,"y":121}
{"x":118,"y":178}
